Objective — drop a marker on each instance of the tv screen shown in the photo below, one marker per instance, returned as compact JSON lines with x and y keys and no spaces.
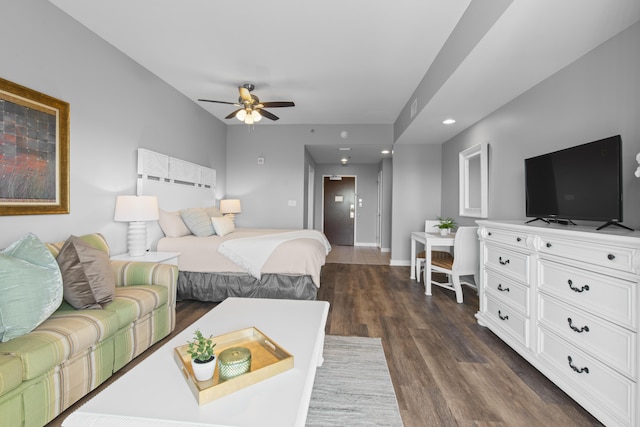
{"x":577,"y":183}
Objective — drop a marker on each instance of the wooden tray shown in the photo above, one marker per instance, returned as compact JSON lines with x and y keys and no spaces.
{"x":267,"y":359}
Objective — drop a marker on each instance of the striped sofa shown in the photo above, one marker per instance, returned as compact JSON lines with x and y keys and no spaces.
{"x":73,"y":351}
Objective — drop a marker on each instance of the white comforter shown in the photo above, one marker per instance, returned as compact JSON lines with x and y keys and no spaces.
{"x":301,"y":256}
{"x":250,"y":253}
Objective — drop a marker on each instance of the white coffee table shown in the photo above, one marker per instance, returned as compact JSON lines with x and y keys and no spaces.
{"x":155,"y":393}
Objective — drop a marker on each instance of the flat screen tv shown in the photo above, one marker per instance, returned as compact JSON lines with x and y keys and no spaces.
{"x":577,"y":183}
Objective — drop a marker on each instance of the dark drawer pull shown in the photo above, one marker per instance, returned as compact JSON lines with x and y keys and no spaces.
{"x":578,"y":370}
{"x":578,"y":330}
{"x":574,"y":289}
{"x":518,"y":239}
{"x":548,"y":245}
{"x":489,"y":233}
{"x":505,"y":317}
{"x":500,"y":288}
{"x":505,"y":262}
{"x":611,"y":257}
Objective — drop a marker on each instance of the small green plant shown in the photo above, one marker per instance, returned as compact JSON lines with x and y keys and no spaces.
{"x":201,"y":348}
{"x":446,"y":223}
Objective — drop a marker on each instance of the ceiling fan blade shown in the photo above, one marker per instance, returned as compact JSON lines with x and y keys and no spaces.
{"x":278,"y":104}
{"x":218,"y":102}
{"x":232,"y":115}
{"x":268,"y":115}
{"x":245,"y":95}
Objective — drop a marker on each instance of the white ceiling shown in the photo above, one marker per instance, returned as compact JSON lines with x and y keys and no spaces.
{"x":351,"y":62}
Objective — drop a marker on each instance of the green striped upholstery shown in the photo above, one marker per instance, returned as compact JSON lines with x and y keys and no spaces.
{"x":96,"y":240}
{"x":74,"y":351}
{"x":10,"y":372}
{"x":62,"y":336}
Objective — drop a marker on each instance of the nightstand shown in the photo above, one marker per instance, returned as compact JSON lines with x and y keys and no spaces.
{"x":158,"y":257}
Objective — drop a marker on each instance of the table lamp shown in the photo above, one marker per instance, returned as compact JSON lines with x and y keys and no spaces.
{"x":136,"y":210}
{"x":230,"y":207}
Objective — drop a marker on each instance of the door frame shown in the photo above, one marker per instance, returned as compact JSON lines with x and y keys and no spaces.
{"x":311,"y":197}
{"x":355,"y":202}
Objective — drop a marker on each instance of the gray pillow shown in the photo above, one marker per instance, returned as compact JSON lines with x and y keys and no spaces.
{"x":30,"y":287}
{"x":198,"y":221}
{"x":87,"y":278}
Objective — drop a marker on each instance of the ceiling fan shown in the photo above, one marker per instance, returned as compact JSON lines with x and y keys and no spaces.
{"x":251,"y":109}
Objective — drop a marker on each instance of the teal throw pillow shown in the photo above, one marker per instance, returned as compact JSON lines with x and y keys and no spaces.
{"x":30,"y":287}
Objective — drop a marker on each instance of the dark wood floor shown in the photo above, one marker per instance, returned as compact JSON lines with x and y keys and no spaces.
{"x":446,"y":369}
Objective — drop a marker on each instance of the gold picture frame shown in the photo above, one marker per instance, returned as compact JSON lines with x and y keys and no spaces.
{"x":34,"y":152}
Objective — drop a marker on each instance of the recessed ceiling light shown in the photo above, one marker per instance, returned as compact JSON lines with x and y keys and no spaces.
{"x":385,"y":151}
{"x":449,"y":121}
{"x":344,"y":149}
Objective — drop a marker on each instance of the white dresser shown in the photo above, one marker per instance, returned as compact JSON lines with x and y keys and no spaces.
{"x":566,"y":298}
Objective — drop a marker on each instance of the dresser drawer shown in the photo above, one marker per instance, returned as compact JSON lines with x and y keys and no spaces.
{"x":506,"y":262}
{"x":613,"y":345}
{"x":605,"y":296}
{"x":603,"y":387}
{"x":508,"y":291}
{"x":506,"y":237}
{"x":508,"y":319}
{"x":618,"y":258}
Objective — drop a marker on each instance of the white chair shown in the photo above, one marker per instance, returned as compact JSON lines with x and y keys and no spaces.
{"x":464,"y":262}
{"x":430,"y":226}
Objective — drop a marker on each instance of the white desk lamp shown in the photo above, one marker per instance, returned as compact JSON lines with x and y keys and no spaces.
{"x":230,"y":207}
{"x":136,"y":210}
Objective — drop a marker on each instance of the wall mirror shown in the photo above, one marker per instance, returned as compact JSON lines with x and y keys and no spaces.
{"x":474,"y":185}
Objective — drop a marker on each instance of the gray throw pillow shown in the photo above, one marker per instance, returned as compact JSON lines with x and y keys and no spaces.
{"x":87,"y":278}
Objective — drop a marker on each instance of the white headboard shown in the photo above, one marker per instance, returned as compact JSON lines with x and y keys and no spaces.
{"x":176,"y":183}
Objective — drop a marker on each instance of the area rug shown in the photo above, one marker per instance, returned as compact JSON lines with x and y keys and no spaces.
{"x":353,"y":386}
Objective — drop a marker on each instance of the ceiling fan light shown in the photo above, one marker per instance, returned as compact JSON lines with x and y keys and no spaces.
{"x":248,"y":120}
{"x":256,"y":116}
{"x":240,"y":115}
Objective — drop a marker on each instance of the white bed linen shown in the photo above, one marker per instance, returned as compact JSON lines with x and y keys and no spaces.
{"x":304,"y":256}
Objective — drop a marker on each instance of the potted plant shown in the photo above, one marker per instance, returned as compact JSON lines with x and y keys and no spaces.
{"x":203,"y":359}
{"x":446,"y":225}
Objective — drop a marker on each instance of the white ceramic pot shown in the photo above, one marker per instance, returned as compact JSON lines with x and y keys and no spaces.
{"x":444,"y":231}
{"x":203,"y":371}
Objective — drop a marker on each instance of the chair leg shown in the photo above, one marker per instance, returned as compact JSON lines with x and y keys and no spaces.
{"x":419,"y":264}
{"x":457,"y":287}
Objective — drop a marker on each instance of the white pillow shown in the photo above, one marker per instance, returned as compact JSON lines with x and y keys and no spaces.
{"x":172,"y":224}
{"x":222,"y":225}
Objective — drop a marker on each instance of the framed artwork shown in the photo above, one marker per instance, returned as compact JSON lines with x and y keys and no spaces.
{"x":34,"y":152}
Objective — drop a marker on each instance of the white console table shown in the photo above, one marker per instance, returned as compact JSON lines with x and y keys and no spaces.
{"x":566,"y":299}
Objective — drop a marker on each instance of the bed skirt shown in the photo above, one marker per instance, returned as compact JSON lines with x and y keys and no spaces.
{"x":216,"y":287}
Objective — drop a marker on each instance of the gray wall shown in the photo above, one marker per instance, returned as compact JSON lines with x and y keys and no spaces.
{"x":366,"y":189}
{"x":265,"y":190}
{"x":416,"y":194}
{"x":386,"y":166}
{"x":595,"y":97}
{"x":116,"y":106}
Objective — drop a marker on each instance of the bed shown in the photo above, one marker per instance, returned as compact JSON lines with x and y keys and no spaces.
{"x":223,"y":261}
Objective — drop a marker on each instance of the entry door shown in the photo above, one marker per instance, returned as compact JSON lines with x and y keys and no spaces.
{"x":339,"y":210}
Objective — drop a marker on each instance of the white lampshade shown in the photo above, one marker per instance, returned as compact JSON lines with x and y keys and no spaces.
{"x":136,"y":210}
{"x":230,"y":206}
